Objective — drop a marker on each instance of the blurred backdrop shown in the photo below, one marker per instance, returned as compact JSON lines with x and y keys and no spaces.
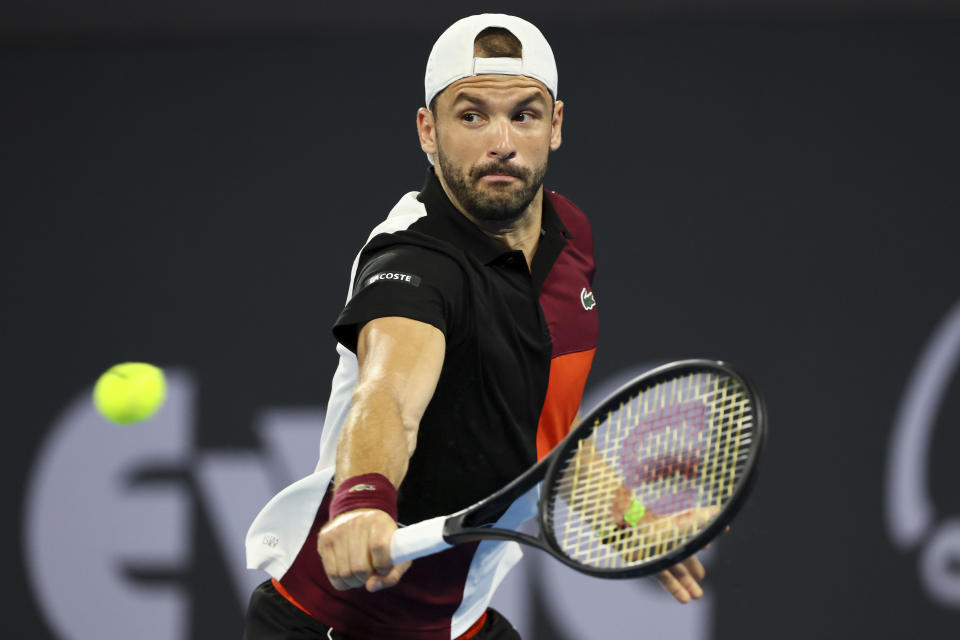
{"x":770,"y":183}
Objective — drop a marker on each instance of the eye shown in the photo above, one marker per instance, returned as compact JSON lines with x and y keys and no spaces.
{"x":470,"y":118}
{"x":525,"y":116}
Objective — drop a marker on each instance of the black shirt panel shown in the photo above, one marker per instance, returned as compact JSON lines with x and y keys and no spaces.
{"x":553,"y":239}
{"x":479,"y":430}
{"x":403,"y":280}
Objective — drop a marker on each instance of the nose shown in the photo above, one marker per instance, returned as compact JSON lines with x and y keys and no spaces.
{"x":502,"y":146}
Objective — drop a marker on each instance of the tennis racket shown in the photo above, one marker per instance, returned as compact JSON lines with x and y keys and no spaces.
{"x":645,"y":480}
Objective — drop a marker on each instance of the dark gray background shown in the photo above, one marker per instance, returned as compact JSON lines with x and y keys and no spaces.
{"x":42,"y":19}
{"x":779,"y":193}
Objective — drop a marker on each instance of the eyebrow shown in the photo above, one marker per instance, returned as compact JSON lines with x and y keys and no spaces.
{"x":464,"y":96}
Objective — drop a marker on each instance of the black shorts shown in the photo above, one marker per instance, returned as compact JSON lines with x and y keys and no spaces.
{"x":270,"y":616}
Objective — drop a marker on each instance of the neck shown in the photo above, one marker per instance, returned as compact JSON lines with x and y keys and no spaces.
{"x":520,"y":234}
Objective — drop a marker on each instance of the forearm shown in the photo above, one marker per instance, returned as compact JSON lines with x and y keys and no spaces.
{"x":399,"y":362}
{"x":399,"y":365}
{"x":354,"y":545}
{"x":375,"y":438}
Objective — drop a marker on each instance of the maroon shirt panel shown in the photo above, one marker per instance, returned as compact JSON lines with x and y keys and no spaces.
{"x":420,"y":607}
{"x":572,"y":326}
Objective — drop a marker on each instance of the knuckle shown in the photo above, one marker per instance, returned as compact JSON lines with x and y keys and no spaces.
{"x":359,"y":571}
{"x":343,"y":575}
{"x":380,"y":547}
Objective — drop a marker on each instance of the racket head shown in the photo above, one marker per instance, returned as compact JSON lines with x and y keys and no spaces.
{"x":684,"y":440}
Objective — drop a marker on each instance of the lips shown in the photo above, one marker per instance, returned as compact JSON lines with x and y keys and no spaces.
{"x":496,"y":173}
{"x":499,"y":176}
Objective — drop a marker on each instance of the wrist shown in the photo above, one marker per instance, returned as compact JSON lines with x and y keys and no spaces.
{"x":364,"y":491}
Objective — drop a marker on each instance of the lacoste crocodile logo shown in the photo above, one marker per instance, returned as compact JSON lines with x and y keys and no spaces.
{"x":362,"y":487}
{"x":586,"y":299}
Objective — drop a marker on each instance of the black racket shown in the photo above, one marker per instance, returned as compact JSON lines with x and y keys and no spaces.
{"x":649,"y":477}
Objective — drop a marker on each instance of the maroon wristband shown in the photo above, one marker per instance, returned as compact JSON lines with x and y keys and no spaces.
{"x":365,"y":491}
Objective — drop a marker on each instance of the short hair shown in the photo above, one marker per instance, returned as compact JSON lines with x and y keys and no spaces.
{"x":497,"y":42}
{"x":492,"y":42}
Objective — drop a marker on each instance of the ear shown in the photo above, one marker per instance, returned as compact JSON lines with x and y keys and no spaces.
{"x":556,"y":136}
{"x":427,"y":130}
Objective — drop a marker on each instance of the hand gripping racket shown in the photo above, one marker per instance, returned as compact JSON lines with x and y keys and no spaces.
{"x":649,"y":477}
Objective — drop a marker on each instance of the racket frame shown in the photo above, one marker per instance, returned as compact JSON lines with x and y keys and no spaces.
{"x":738,"y":496}
{"x":473,"y":523}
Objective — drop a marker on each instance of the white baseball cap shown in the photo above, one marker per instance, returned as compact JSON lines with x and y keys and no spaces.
{"x":452,"y":54}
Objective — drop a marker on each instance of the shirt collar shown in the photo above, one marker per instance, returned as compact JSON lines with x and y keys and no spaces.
{"x":469,"y":236}
{"x":551,"y":220}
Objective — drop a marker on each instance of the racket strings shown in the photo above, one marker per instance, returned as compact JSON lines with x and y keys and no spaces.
{"x":653,"y":472}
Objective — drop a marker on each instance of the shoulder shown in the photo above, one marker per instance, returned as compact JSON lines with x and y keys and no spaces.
{"x":407,"y":236}
{"x":404,"y":215}
{"x":398,"y":274}
{"x":408,"y":250}
{"x":411,"y":256}
{"x":410,"y":230}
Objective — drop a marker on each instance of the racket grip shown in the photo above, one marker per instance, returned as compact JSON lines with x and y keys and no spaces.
{"x":421,"y":539}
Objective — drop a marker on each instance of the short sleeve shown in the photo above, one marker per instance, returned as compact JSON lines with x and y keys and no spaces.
{"x":404,"y":280}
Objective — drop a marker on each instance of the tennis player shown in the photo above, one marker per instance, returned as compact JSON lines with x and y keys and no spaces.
{"x":465,"y":343}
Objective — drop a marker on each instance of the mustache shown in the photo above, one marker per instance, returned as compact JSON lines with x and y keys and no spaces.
{"x":500,"y":169}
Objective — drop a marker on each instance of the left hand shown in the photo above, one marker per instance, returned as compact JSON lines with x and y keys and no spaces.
{"x":682,"y":580}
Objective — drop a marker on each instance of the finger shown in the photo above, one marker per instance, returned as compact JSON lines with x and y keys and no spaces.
{"x":341,"y":553}
{"x":358,"y":553}
{"x":380,"y":538}
{"x":673,"y":586}
{"x":686,"y":580}
{"x":338,"y":552}
{"x":329,"y":560}
{"x":378,"y":582}
{"x":695,"y":567}
{"x":382,"y":563}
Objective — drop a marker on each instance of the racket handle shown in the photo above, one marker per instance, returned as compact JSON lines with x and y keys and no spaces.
{"x":421,"y":539}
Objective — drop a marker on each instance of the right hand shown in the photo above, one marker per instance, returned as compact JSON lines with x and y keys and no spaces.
{"x":355,"y":550}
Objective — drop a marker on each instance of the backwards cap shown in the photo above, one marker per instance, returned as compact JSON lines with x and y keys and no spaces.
{"x":452,"y":54}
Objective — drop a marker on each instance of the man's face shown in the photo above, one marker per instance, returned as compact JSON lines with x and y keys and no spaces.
{"x":492,"y":136}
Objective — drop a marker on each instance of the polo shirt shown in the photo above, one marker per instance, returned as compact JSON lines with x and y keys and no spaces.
{"x":519,"y":344}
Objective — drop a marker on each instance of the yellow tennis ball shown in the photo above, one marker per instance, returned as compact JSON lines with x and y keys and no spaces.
{"x":130,"y":392}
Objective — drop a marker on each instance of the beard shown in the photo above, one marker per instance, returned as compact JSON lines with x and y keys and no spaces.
{"x":494,"y":203}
